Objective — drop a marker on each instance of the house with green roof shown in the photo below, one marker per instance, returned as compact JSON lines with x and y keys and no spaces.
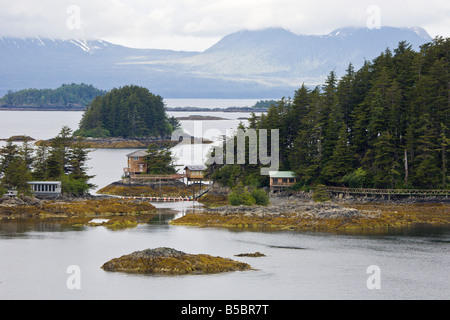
{"x":281,"y":180}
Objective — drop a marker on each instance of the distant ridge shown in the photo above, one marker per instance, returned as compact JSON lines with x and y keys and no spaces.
{"x":246,"y":64}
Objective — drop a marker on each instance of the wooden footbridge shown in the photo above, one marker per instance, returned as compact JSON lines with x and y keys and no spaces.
{"x":390,"y":192}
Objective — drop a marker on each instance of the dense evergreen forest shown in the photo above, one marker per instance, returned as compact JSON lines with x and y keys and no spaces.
{"x":385,"y":125}
{"x":127,"y":112}
{"x":73,"y":96}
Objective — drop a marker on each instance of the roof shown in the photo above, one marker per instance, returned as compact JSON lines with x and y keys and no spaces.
{"x":139,"y":153}
{"x":44,"y":182}
{"x":282,"y":174}
{"x":200,"y":167}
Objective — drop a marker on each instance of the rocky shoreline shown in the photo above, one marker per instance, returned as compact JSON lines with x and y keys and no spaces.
{"x":201,"y":118}
{"x":122,"y":143}
{"x":133,"y":188}
{"x":284,"y":213}
{"x":117,"y":143}
{"x":293,"y":213}
{"x":76,"y":210}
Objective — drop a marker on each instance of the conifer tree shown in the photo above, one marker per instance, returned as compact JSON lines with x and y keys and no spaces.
{"x":387,"y":122}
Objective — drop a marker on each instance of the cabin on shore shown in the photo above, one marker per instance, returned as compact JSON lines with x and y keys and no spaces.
{"x":46,"y":188}
{"x":194,"y":173}
{"x":136,"y":163}
{"x":281,"y":180}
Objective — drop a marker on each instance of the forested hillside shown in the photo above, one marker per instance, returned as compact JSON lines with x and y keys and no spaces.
{"x":72,"y":96}
{"x":385,"y":125}
{"x":127,"y":112}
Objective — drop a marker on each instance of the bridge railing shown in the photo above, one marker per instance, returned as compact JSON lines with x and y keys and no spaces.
{"x":366,"y":191}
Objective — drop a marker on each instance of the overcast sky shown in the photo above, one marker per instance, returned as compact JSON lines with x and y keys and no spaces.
{"x":195,"y":25}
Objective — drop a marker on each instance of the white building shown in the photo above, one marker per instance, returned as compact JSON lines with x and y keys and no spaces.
{"x":46,"y":188}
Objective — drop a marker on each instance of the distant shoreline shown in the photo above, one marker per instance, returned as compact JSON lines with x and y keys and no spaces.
{"x":40,"y":109}
{"x":173,"y":109}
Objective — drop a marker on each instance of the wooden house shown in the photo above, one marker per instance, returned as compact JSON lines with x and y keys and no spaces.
{"x":136,"y":163}
{"x":194,"y":173}
{"x":280,"y":180}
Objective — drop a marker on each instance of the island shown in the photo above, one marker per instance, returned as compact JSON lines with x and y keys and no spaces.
{"x":169,"y":261}
{"x":201,"y":118}
{"x":68,"y":97}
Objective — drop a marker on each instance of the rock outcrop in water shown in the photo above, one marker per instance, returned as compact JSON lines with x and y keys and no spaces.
{"x":285,"y":206}
{"x":66,"y":207}
{"x":172,"y":262}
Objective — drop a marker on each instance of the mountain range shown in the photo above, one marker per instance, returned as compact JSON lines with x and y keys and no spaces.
{"x":268,"y":63}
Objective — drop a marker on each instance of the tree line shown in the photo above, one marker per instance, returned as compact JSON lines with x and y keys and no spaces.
{"x":63,"y":159}
{"x":66,"y":96}
{"x":385,"y":125}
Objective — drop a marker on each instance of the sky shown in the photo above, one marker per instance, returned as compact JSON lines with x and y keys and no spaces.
{"x":195,"y":25}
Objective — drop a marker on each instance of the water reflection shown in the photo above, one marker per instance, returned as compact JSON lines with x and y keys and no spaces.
{"x":31,"y":228}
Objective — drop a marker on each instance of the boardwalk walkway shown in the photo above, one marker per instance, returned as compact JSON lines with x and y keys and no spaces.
{"x":389,"y":192}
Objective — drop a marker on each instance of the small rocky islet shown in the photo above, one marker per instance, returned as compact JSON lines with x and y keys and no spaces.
{"x":168,"y":261}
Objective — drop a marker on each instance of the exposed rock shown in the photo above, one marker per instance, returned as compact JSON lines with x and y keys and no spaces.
{"x":18,"y":139}
{"x":292,"y":214}
{"x":252,"y":255}
{"x":151,"y":188}
{"x":115,"y":223}
{"x":201,"y":118}
{"x":118,"y":143}
{"x":287,"y":207}
{"x":29,"y":207}
{"x":172,"y":262}
{"x":21,"y":201}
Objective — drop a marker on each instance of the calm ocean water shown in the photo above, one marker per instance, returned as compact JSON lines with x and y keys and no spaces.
{"x":35,"y":257}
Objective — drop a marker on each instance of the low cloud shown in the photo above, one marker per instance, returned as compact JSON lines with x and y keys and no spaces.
{"x":196,"y":24}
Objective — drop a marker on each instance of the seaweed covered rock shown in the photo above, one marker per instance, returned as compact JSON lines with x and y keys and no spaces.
{"x":290,"y":214}
{"x":115,"y":223}
{"x":256,"y":254}
{"x":172,"y":262}
{"x":29,"y":207}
